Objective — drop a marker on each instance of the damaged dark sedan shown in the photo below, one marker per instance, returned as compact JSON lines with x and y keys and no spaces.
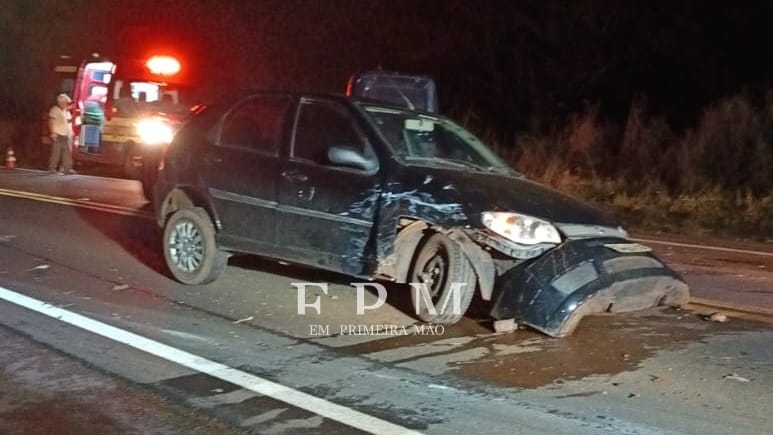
{"x":378,"y":191}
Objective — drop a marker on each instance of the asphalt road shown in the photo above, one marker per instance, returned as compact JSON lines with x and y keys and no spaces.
{"x":82,"y":278}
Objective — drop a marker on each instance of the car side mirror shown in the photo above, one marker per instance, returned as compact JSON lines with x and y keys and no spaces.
{"x":347,"y":156}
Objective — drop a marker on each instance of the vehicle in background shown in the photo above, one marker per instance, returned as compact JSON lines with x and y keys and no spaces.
{"x":124,"y":112}
{"x":406,"y":90}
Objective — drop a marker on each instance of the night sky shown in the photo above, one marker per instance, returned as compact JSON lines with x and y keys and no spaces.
{"x":510,"y":65}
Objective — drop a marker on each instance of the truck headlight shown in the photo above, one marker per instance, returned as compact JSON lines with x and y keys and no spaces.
{"x":519,"y":228}
{"x":154,"y":131}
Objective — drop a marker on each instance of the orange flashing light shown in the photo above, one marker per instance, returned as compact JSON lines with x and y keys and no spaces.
{"x":163,"y":65}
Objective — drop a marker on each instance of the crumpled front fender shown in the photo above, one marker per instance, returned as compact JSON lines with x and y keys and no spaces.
{"x":553,"y":292}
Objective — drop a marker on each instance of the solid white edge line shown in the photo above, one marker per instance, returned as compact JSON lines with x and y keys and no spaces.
{"x":707,"y":247}
{"x":298,"y":399}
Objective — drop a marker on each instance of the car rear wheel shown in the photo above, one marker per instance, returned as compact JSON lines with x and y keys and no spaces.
{"x":438,"y":264}
{"x":190,"y":249}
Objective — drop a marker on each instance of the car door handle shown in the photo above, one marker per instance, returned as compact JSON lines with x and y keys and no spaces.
{"x":294,"y":176}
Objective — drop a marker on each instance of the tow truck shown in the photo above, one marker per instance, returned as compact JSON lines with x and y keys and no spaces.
{"x":124,"y":112}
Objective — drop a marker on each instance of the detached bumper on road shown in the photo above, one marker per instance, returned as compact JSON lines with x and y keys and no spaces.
{"x":553,"y":292}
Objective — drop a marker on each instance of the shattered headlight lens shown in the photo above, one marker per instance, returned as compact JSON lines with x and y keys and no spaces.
{"x":154,"y":131}
{"x":519,"y":228}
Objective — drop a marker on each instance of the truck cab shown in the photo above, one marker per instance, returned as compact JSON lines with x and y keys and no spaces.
{"x":124,"y":110}
{"x":415,"y":92}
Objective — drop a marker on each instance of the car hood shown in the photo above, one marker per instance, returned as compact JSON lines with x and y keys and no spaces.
{"x":478,"y":192}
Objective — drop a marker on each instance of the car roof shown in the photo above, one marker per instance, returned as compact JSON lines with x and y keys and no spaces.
{"x":232,"y":96}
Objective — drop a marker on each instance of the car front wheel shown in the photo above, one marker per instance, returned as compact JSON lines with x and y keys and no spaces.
{"x":190,"y":249}
{"x":444,"y":271}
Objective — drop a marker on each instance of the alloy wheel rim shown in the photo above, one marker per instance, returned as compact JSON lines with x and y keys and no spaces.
{"x":186,"y":246}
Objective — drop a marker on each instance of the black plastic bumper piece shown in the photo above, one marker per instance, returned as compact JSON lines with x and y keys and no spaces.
{"x":553,"y":292}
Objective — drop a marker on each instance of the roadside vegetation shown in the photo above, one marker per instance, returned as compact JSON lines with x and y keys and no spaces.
{"x":714,"y":177}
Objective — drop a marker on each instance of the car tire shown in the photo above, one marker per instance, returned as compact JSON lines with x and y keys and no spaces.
{"x":190,"y":250}
{"x":439,"y":262}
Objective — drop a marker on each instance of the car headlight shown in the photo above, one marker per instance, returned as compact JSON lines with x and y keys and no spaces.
{"x":154,"y":131}
{"x":519,"y":228}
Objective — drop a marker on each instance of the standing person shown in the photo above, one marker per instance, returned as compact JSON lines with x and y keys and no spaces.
{"x":60,"y":128}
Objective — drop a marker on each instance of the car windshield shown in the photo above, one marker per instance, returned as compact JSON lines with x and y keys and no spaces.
{"x":429,"y":140}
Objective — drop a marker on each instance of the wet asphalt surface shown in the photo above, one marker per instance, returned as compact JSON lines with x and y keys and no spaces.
{"x":658,"y":371}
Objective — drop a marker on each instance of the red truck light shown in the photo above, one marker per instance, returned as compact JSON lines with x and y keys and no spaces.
{"x":163,"y":65}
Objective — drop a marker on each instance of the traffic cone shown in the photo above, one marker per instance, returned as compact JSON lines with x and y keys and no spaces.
{"x":10,"y":159}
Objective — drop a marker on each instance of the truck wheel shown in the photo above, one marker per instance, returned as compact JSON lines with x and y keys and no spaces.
{"x":132,"y":161}
{"x":148,"y":179}
{"x":438,"y":264}
{"x":147,"y":189}
{"x":190,"y":250}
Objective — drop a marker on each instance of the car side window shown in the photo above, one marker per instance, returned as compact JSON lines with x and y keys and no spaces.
{"x":325,"y":124}
{"x":255,"y":124}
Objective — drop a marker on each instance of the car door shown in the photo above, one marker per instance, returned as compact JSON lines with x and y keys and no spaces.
{"x":326,"y":212}
{"x":240,"y":171}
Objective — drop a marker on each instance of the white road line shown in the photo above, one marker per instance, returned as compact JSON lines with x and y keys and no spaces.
{"x":298,"y":399}
{"x":706,"y":247}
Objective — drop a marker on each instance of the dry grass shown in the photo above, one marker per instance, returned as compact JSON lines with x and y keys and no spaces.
{"x":715,"y":177}
{"x":713,"y":210}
